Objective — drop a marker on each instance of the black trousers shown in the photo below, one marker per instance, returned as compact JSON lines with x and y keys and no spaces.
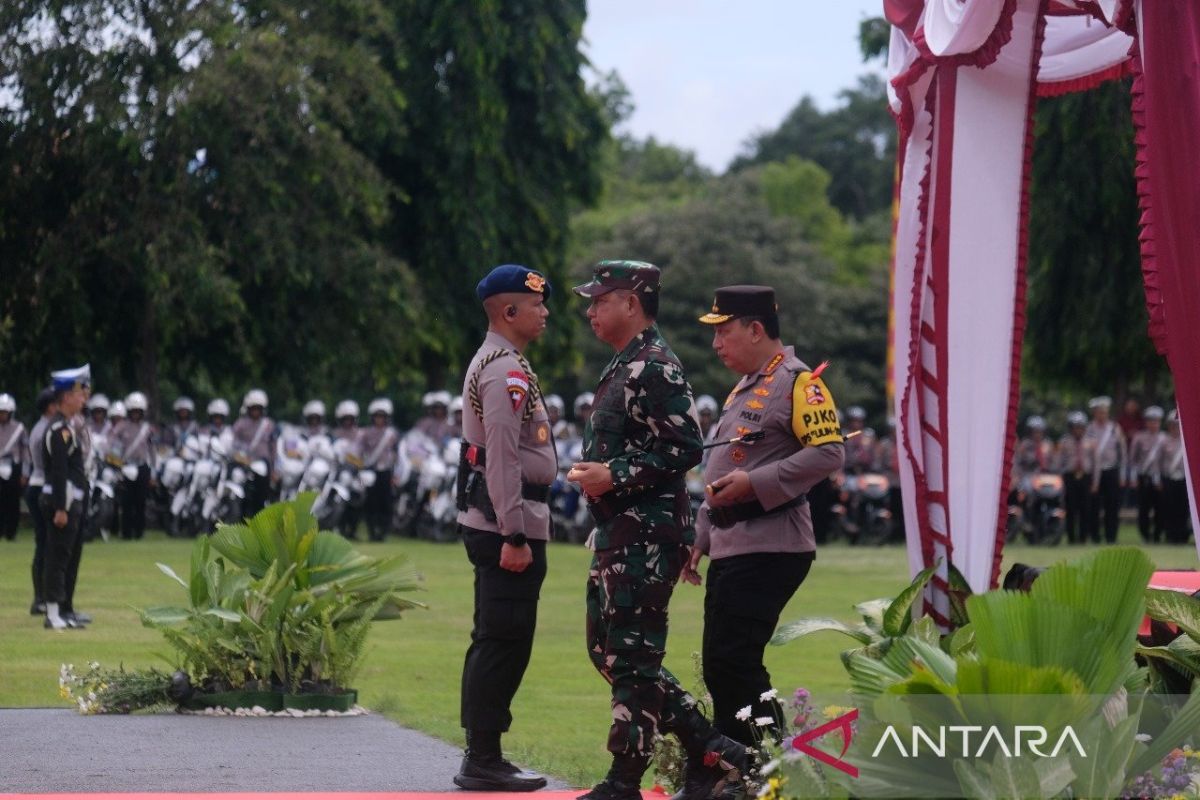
{"x":60,"y":550}
{"x":743,"y":598}
{"x":1108,"y":500}
{"x":1175,"y":511}
{"x":1148,"y":502}
{"x":10,"y":504}
{"x":502,"y":635}
{"x":1077,"y":497}
{"x":33,"y":498}
{"x":133,"y":505}
{"x":378,"y":506}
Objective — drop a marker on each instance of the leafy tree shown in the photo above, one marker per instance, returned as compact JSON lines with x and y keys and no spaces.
{"x":502,"y":144}
{"x":1087,"y":321}
{"x":855,"y":143}
{"x":727,"y":234}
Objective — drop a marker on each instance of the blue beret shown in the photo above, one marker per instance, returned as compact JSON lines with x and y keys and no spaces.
{"x":512,"y":278}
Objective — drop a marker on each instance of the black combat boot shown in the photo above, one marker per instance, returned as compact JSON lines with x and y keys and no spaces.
{"x":484,"y":768}
{"x":623,"y":782}
{"x":720,"y":762}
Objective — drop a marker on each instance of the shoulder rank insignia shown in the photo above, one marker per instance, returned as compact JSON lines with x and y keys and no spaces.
{"x":774,"y":363}
{"x":755,"y":404}
{"x":729,"y":399}
{"x":518,"y":387}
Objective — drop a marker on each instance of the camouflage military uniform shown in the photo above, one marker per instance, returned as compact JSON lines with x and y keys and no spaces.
{"x":645,"y":428}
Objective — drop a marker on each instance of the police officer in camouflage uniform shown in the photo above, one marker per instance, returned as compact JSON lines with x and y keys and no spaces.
{"x":642,"y":438}
{"x":506,"y":465}
{"x":755,"y":523}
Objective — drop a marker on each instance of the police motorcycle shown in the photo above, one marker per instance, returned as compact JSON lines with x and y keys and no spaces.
{"x":862,"y":514}
{"x":236,"y":468}
{"x":420,"y":471}
{"x":345,"y":486}
{"x":568,"y":510}
{"x":1037,"y":510}
{"x":174,"y":480}
{"x":193,"y":504}
{"x":437,"y":521}
{"x":291,"y":457}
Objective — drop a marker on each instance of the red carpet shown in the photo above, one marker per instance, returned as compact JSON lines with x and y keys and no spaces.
{"x":545,"y":795}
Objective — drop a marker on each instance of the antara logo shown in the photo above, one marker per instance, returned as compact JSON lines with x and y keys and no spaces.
{"x":1031,"y":736}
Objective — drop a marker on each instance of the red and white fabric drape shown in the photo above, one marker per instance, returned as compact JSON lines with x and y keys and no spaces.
{"x":964,"y":80}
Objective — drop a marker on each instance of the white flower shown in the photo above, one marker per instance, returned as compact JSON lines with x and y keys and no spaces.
{"x":769,"y":694}
{"x":744,"y":714}
{"x":764,"y":722}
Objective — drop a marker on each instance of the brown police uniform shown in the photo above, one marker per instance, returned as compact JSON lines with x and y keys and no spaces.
{"x":762,"y":549}
{"x":1074,"y":463}
{"x":1108,"y":466}
{"x":507,"y":464}
{"x":1172,"y":468}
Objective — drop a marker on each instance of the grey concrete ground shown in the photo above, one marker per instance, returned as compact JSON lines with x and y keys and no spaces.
{"x":57,"y":750}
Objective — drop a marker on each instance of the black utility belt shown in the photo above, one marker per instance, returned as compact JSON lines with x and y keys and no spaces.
{"x":477,"y":494}
{"x":728,"y":516}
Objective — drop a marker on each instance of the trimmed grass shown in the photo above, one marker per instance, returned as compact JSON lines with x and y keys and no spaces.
{"x":413,"y":665}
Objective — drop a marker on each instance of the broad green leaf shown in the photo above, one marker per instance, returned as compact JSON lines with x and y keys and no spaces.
{"x":803,"y":627}
{"x":898,"y":615}
{"x":975,"y":781}
{"x":225,"y":614}
{"x":1175,"y":607}
{"x":164,"y":615}
{"x":1014,"y":777}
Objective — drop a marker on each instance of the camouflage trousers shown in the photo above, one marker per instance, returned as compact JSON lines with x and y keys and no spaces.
{"x":627,"y":595}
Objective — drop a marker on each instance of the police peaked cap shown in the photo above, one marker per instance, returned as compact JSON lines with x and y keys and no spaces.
{"x":509,"y":278}
{"x":741,"y":301}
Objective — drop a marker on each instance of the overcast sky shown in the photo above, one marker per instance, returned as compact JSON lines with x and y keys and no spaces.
{"x":707,"y":74}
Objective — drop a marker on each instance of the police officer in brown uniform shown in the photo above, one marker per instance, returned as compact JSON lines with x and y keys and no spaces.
{"x":1075,"y":464}
{"x":507,"y":464}
{"x":1172,"y":471}
{"x":1144,"y":448}
{"x":1110,"y":454}
{"x":754,"y":524}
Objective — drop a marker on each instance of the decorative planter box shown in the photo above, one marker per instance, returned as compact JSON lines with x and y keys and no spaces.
{"x":249,"y":698}
{"x":321,"y":702}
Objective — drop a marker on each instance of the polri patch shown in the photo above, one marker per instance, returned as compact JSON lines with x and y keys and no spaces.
{"x":518,"y":386}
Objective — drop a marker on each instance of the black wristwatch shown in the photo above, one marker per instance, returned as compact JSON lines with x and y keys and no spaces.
{"x":515,"y":539}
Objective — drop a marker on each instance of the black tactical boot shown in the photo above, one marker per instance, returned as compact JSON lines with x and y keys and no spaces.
{"x":623,"y":781}
{"x":484,"y":768}
{"x":708,"y":771}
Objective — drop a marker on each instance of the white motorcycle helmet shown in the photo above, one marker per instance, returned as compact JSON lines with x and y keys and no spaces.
{"x":706,"y":402}
{"x":314,"y":408}
{"x":218,"y":406}
{"x":346,"y":408}
{"x":8,"y":403}
{"x":554,"y":401}
{"x":439,"y":398}
{"x":585,"y":399}
{"x":380,"y":405}
{"x":456,"y":404}
{"x":136,"y":401}
{"x":98,"y":401}
{"x":117,"y":410}
{"x":255,"y":397}
{"x":184,"y":403}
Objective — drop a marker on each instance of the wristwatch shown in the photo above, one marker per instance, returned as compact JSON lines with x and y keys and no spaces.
{"x":514,"y":539}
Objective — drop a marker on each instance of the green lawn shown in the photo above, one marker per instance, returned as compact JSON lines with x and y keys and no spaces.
{"x":413,"y":666}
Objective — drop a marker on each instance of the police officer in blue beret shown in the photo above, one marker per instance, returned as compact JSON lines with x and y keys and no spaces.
{"x":507,"y":464}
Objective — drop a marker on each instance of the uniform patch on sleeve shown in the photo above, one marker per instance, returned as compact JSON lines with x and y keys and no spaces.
{"x":517,"y":383}
{"x":814,"y":415}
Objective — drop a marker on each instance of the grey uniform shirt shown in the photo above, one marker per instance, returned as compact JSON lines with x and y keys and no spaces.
{"x":1171,"y":462}
{"x":1109,"y":446}
{"x":1075,"y":456}
{"x":781,"y":466}
{"x":248,"y":439}
{"x":379,"y":447}
{"x":518,"y":444}
{"x":13,"y":443}
{"x":133,"y":442}
{"x":1143,"y":454}
{"x":36,"y":466}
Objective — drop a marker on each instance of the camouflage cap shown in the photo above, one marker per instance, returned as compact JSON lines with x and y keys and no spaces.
{"x":636,"y":276}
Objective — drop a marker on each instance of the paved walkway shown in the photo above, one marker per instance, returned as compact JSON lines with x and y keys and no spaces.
{"x":59,"y":751}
